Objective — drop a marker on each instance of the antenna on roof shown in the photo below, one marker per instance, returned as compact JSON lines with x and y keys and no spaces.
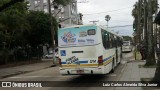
{"x":94,"y":21}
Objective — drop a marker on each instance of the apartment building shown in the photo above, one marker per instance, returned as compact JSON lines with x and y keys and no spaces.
{"x":65,"y":15}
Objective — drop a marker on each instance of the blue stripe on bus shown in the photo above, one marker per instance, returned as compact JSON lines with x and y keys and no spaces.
{"x":83,"y":61}
{"x":63,"y":62}
{"x":107,"y":58}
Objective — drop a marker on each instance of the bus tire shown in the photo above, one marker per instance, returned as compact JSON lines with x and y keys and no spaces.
{"x":112,"y":71}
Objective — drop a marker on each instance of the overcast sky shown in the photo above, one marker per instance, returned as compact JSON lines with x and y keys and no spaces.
{"x":119,"y":10}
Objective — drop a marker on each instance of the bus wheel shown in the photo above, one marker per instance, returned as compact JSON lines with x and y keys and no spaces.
{"x":112,"y":71}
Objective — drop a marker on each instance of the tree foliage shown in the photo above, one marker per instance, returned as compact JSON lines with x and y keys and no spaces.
{"x":40,"y":28}
{"x":62,"y":2}
{"x":23,"y":31}
{"x":8,"y":3}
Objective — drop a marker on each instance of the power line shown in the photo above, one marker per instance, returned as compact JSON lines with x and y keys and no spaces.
{"x":109,"y":11}
{"x":121,"y":21}
{"x":120,"y":26}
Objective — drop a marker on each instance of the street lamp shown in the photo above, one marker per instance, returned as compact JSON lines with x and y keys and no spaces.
{"x":107,"y":18}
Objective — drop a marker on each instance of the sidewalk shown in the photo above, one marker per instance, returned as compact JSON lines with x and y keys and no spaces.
{"x":132,"y":72}
{"x":6,"y":72}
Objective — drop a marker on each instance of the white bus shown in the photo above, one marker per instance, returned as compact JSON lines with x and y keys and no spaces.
{"x":88,"y":49}
{"x":127,"y":46}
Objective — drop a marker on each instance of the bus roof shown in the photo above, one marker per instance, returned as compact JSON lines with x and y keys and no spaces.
{"x":110,"y":31}
{"x":94,"y":25}
{"x":79,"y":26}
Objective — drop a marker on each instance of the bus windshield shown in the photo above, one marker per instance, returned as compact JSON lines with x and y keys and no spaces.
{"x":77,"y":36}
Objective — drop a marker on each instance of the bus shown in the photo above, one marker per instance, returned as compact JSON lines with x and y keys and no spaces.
{"x":88,"y":49}
{"x":127,"y":46}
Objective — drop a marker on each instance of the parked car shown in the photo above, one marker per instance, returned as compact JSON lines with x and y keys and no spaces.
{"x":49,"y":55}
{"x":56,"y":53}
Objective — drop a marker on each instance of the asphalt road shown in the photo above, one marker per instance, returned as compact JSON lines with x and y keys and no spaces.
{"x":52,"y":74}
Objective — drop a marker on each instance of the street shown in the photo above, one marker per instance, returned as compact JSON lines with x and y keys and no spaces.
{"x":52,"y":74}
{"x":79,"y":45}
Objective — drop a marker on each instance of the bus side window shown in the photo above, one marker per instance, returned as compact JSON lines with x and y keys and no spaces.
{"x":114,"y":42}
{"x":108,"y":45}
{"x":119,"y":41}
{"x":110,"y":40}
{"x":105,"y":39}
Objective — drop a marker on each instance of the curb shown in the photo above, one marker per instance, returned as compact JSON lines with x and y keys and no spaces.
{"x":24,"y":72}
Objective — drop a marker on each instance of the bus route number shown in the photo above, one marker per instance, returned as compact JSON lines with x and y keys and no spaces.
{"x":92,"y":61}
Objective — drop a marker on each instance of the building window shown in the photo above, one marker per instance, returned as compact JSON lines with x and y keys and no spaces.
{"x":62,"y":10}
{"x":35,"y":2}
{"x":45,"y":10}
{"x":44,"y":1}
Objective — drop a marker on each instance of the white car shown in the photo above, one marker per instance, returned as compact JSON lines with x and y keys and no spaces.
{"x":50,"y":55}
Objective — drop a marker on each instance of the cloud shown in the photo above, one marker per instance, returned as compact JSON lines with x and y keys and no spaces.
{"x":119,"y":10}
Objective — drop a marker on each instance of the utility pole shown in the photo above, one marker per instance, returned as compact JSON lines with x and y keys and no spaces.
{"x":52,"y":29}
{"x":136,"y":22}
{"x":150,"y":53}
{"x":145,"y":26}
{"x":155,"y":27}
{"x":139,"y":22}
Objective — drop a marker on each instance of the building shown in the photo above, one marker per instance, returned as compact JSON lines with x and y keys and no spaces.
{"x":65,"y":15}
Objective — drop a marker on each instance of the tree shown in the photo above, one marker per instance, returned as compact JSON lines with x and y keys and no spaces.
{"x":143,"y":14}
{"x":20,"y":28}
{"x":8,"y":3}
{"x":62,"y":2}
{"x":135,"y":23}
{"x":12,"y":26}
{"x":157,"y":21}
{"x":150,"y":50}
{"x":40,"y":28}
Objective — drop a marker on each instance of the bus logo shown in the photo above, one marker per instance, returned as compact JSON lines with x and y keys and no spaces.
{"x":69,"y":37}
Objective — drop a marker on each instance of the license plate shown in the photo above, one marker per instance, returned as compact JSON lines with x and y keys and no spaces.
{"x":80,"y":71}
{"x":72,"y":60}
